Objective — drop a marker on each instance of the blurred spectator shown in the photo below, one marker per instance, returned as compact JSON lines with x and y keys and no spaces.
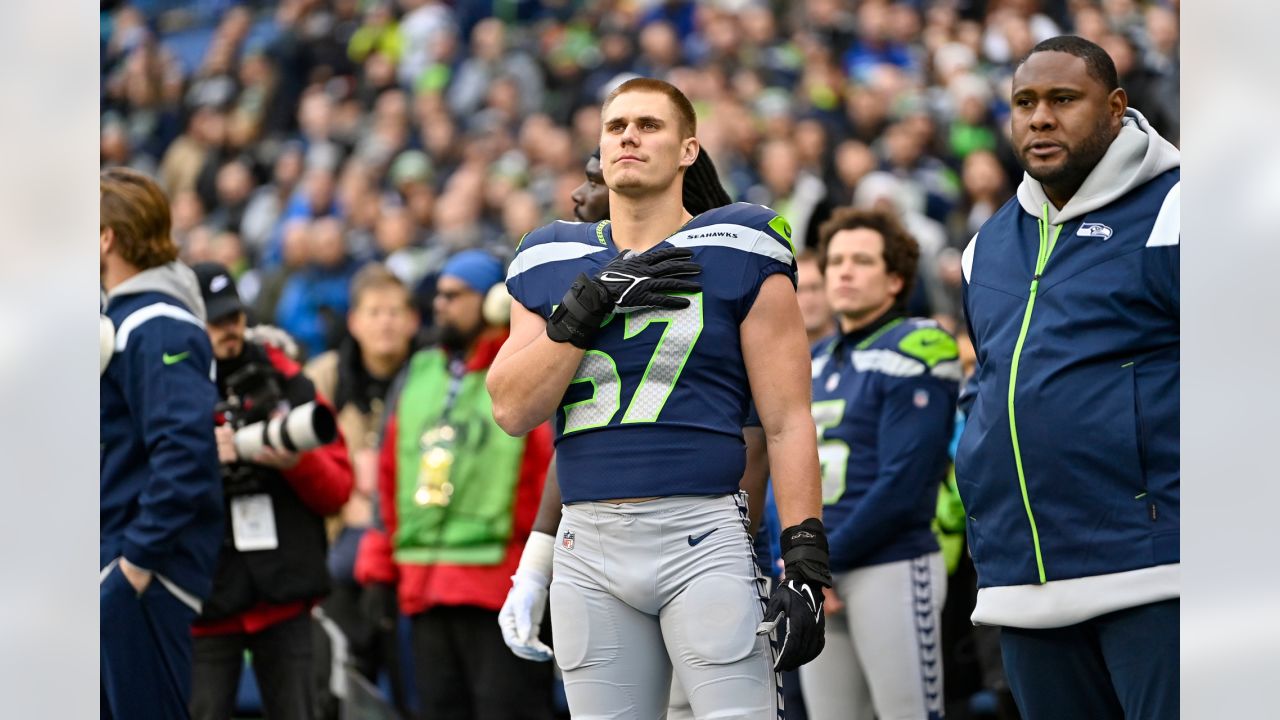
{"x":378,"y":33}
{"x":491,"y":59}
{"x":811,"y":293}
{"x":1163,"y":59}
{"x":197,"y":245}
{"x":985,"y":189}
{"x":225,"y":248}
{"x":314,"y":198}
{"x":880,"y":190}
{"x":234,"y":184}
{"x":659,"y":52}
{"x":188,"y":213}
{"x":971,"y":127}
{"x":906,"y":155}
{"x":1013,"y":27}
{"x":313,"y":302}
{"x":426,"y":30}
{"x":520,"y":215}
{"x":875,"y":44}
{"x":853,"y":161}
{"x":458,"y":497}
{"x":796,"y":194}
{"x":296,"y":254}
{"x":616,"y":48}
{"x":258,"y":80}
{"x":357,"y":375}
{"x":267,"y":202}
{"x":400,"y":247}
{"x":186,"y":157}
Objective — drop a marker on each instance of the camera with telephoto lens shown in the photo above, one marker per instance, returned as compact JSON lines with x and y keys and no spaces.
{"x":258,"y":412}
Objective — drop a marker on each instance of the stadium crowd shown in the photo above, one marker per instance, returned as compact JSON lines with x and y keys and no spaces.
{"x":302,"y":141}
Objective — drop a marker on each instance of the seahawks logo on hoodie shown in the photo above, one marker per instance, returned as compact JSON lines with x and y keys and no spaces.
{"x":1097,"y":230}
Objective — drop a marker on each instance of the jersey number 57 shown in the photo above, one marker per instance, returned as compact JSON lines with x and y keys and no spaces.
{"x":683,"y":327}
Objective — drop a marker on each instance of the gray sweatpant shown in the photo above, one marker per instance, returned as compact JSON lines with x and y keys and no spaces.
{"x":640,"y":590}
{"x":883,"y":657}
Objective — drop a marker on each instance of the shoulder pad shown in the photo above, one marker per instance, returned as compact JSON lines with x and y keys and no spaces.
{"x":559,"y":240}
{"x":563,"y":231}
{"x":754,"y":217}
{"x":761,"y":218}
{"x":930,"y":345}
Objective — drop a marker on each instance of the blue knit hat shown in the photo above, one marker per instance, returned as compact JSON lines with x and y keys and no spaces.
{"x":477,"y":268}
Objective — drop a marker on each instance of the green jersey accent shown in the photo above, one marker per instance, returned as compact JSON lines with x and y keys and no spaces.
{"x":168,"y":359}
{"x":783,"y":228}
{"x":929,"y":345}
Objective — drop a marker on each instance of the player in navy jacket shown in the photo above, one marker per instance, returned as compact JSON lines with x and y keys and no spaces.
{"x":884,"y":400}
{"x":1068,"y":465}
{"x":161,"y":490}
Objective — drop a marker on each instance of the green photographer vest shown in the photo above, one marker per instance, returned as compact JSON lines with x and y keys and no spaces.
{"x":474,"y":526}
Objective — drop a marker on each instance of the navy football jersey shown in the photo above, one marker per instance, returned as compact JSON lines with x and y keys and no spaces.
{"x":884,"y":403}
{"x":658,"y":403}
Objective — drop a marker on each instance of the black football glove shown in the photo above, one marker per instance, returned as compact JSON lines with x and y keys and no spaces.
{"x":795,"y":608}
{"x":629,"y":282}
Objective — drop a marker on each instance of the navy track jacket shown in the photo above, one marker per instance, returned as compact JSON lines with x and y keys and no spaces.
{"x":160,"y":482}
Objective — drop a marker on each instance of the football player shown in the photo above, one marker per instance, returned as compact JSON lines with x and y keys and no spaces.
{"x":647,"y":336}
{"x":884,"y":402}
{"x":525,"y":606}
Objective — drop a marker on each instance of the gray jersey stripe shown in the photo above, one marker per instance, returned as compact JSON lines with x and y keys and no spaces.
{"x":549,"y":253}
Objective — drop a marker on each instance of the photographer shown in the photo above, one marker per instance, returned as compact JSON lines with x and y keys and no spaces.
{"x":271,"y":569}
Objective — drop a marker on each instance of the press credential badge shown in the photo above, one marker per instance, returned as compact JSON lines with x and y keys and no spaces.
{"x":253,"y":523}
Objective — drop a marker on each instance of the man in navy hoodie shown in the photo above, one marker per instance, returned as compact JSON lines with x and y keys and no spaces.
{"x":161,"y":492}
{"x":1068,"y":465}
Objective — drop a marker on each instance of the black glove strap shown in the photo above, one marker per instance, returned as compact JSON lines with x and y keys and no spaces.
{"x":804,"y":553}
{"x":577,"y":320}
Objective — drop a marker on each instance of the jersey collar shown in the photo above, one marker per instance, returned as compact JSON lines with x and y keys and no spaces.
{"x":862,"y":338}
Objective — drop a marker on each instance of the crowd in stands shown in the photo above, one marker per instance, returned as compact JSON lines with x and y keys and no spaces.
{"x":303,"y":139}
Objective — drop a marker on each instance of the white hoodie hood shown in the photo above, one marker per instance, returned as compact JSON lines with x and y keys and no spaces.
{"x":174,"y":279}
{"x":1137,"y":155}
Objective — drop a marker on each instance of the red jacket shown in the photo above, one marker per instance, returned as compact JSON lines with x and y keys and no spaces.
{"x":322,"y":479}
{"x":422,"y":587}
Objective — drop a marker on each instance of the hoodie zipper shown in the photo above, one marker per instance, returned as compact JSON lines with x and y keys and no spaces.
{"x":1047,"y":243}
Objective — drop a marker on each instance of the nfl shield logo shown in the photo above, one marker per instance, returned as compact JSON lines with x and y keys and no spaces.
{"x":567,"y":541}
{"x":921,"y":399}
